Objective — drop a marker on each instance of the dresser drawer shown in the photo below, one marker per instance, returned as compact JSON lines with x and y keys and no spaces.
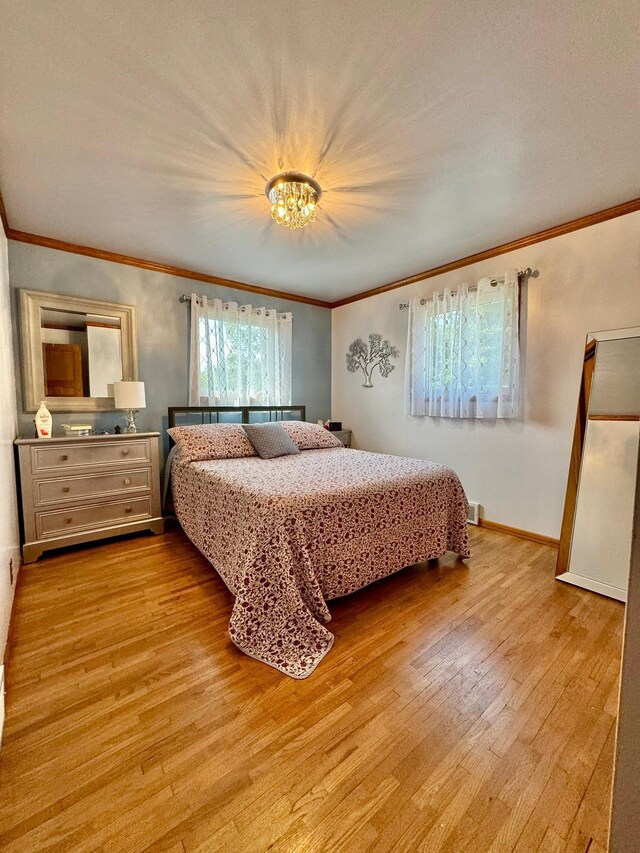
{"x":61,"y":457}
{"x":63,"y":522}
{"x":65,"y":489}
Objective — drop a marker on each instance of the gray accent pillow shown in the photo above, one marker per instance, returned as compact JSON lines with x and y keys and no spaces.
{"x":270,"y":440}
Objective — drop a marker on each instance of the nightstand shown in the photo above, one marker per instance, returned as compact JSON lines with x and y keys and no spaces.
{"x":81,"y":489}
{"x":344,"y":435}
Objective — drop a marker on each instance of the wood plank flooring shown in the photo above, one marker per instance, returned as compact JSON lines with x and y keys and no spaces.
{"x":464,"y":707}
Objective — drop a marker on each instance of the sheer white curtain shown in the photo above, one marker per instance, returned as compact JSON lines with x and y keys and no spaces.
{"x":463,"y":353}
{"x":240,"y":355}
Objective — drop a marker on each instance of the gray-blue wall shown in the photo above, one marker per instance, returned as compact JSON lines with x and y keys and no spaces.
{"x":163,"y":329}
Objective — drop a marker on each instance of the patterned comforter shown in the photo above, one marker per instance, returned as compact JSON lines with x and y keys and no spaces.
{"x":288,"y":534}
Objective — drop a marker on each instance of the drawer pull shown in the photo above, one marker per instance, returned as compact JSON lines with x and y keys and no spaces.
{"x":64,"y":457}
{"x":127,"y":509}
{"x":125,"y":452}
{"x":126,"y":481}
{"x":66,"y":489}
{"x":68,"y":520}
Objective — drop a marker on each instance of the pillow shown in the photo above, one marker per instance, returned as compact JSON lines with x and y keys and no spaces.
{"x":211,"y":441}
{"x":270,"y":440}
{"x":310,"y":436}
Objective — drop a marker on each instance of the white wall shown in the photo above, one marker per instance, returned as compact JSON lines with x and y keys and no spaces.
{"x":9,"y":535}
{"x":588,"y":280}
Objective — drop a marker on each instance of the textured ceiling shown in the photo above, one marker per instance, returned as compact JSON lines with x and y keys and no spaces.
{"x":437,"y":129}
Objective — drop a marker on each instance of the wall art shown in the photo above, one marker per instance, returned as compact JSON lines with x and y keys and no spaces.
{"x":377,"y":353}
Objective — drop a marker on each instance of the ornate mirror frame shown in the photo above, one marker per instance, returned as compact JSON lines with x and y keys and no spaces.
{"x":32,"y":303}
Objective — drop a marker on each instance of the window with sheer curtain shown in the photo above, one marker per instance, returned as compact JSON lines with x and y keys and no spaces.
{"x":240,"y":355}
{"x":463,"y":352}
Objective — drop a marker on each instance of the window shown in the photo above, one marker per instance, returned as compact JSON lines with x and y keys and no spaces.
{"x":239,"y":355}
{"x":463,"y":358}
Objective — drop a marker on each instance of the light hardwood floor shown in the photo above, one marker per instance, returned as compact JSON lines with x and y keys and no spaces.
{"x":464,"y":707}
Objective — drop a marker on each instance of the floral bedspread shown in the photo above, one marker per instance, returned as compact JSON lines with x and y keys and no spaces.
{"x":288,"y":534}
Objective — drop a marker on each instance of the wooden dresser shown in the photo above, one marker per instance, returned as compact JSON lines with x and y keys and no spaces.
{"x":87,"y":488}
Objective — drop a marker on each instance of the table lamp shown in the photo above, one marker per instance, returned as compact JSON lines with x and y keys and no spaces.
{"x":129,"y":396}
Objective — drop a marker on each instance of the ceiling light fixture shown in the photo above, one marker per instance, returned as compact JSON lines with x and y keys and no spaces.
{"x":294,"y":198}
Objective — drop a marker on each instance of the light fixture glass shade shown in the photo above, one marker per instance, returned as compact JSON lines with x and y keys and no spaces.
{"x":129,"y":395}
{"x":294,"y":198}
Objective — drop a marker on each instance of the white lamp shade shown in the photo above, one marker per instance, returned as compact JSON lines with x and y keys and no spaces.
{"x":129,"y":395}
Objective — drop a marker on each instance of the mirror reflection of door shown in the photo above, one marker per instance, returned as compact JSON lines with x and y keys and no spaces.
{"x":82,"y":353}
{"x":595,"y":542}
{"x":62,"y":370}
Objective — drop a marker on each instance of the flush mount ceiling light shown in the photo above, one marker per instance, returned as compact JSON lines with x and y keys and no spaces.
{"x":293,"y":198}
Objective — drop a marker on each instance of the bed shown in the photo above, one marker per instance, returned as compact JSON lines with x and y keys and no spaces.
{"x":287,"y":535}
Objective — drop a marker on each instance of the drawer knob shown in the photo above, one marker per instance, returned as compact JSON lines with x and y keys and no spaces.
{"x":66,"y":488}
{"x":125,"y":452}
{"x":127,"y":509}
{"x":68,"y":520}
{"x":64,"y":457}
{"x":126,"y":481}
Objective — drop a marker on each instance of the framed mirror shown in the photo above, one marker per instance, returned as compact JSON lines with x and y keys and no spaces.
{"x":73,"y":349}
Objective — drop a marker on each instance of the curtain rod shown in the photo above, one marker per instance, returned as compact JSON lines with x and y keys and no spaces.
{"x":494,"y":282}
{"x":187,"y":298}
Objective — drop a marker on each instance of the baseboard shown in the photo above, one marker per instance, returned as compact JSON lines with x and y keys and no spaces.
{"x":1,"y":702}
{"x":6,"y":652}
{"x":521,"y":534}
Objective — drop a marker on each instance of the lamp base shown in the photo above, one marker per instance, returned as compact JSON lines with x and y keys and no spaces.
{"x":131,"y":421}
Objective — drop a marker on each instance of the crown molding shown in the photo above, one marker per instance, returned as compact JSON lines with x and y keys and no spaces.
{"x":520,"y":243}
{"x":540,"y":236}
{"x":154,"y":266}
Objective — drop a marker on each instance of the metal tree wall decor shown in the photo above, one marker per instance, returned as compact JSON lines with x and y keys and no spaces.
{"x":366,"y":358}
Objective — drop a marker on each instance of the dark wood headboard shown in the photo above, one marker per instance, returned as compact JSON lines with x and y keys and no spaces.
{"x":187,"y":415}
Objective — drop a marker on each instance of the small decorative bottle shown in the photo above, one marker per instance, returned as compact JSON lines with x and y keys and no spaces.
{"x":44,"y":421}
